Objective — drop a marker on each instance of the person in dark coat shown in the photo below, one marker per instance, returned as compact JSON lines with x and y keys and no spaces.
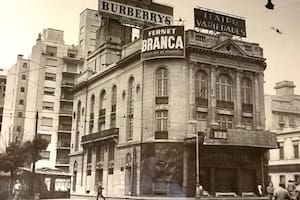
{"x":100,"y":191}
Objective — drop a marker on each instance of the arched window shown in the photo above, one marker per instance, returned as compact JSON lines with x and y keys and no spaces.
{"x":130,"y":108}
{"x":92,"y":114}
{"x":162,"y":82}
{"x":224,"y":88}
{"x":113,"y":107}
{"x":102,"y":111}
{"x":77,"y":134}
{"x":246,"y":91}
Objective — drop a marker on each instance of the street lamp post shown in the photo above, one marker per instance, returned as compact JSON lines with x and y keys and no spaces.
{"x":198,"y":186}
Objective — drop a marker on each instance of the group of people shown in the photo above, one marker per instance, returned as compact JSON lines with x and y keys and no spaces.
{"x":291,"y":193}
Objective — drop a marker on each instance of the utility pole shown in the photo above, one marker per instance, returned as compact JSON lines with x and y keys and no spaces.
{"x":33,"y":163}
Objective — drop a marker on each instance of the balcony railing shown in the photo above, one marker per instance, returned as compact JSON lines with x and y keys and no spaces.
{"x":239,"y":137}
{"x":66,"y":97}
{"x":67,"y":84}
{"x":65,"y":127}
{"x":65,"y":112}
{"x":101,"y":135}
{"x":247,"y":108}
{"x":225,"y":104}
{"x":201,"y":102}
{"x":161,"y":100}
{"x":63,"y":161}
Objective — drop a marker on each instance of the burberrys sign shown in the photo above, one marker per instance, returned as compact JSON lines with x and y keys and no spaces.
{"x":163,"y":42}
{"x":156,"y":14}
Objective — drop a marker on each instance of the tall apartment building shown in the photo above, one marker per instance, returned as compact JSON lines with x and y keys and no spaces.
{"x":15,"y":101}
{"x":283,"y":118}
{"x":134,"y":121}
{"x":88,"y":25}
{"x":53,"y":67}
{"x":3,"y":79}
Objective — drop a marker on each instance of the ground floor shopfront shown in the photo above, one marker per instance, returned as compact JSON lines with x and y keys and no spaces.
{"x":282,"y":174}
{"x":166,"y":169}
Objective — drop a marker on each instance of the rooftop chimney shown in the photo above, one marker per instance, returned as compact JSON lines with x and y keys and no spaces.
{"x":284,"y":88}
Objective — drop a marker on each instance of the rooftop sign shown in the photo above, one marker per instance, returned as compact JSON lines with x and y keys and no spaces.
{"x":219,"y":22}
{"x":163,"y":42}
{"x":136,"y":13}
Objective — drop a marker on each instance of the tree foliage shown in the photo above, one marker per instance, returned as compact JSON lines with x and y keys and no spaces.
{"x":17,"y":154}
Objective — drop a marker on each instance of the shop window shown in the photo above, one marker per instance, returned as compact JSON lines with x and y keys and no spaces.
{"x":111,"y":157}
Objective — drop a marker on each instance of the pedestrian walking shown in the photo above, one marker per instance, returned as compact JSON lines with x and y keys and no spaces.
{"x":17,"y":190}
{"x":282,"y":194}
{"x":270,"y":191}
{"x":100,"y":191}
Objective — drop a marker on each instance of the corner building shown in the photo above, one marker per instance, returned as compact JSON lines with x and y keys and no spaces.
{"x":134,"y":124}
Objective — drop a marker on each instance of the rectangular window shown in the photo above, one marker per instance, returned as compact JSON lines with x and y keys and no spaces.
{"x":51,"y":51}
{"x":18,"y":128}
{"x":101,"y":120}
{"x":48,"y":105}
{"x":100,"y":153}
{"x":296,"y":150}
{"x":22,"y":89}
{"x":50,"y":76}
{"x":47,"y":121}
{"x":297,"y":179}
{"x":20,"y":114}
{"x":225,"y":121}
{"x":46,"y":137}
{"x":24,"y":65}
{"x":247,"y":121}
{"x":202,"y":116}
{"x":162,"y":120}
{"x":281,"y":119}
{"x":292,"y":120}
{"x":23,"y":77}
{"x":21,"y":102}
{"x":282,"y":181}
{"x":111,"y":157}
{"x":281,"y":151}
{"x":49,"y":91}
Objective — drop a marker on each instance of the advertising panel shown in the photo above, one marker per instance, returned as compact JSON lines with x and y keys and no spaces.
{"x":163,"y":42}
{"x":219,"y":22}
{"x":153,"y":14}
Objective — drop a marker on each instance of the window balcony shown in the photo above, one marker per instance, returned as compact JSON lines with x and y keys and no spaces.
{"x":247,"y":108}
{"x":67,"y":84}
{"x":225,"y":104}
{"x":100,"y":136}
{"x":162,"y":100}
{"x":201,"y":102}
{"x":233,"y":137}
{"x":161,"y":134}
{"x":65,"y":127}
{"x":73,"y":59}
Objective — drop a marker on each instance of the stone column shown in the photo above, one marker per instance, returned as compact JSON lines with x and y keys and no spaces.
{"x":213,"y":99}
{"x":238,"y":100}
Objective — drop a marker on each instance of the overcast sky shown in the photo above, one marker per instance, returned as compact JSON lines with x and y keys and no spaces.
{"x":22,"y":20}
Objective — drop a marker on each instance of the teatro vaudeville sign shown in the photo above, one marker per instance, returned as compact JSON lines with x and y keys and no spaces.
{"x":163,"y":42}
{"x":219,"y":22}
{"x":157,"y":14}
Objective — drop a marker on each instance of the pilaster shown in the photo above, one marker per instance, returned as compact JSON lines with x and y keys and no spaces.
{"x":213,"y":100}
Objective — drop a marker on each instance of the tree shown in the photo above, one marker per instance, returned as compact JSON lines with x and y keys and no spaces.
{"x":18,"y":154}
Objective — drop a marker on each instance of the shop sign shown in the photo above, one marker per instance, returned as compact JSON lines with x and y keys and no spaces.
{"x":155,"y":14}
{"x":163,"y":42}
{"x":219,"y":22}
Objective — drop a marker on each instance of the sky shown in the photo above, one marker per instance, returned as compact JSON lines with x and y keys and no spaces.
{"x":22,"y":20}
